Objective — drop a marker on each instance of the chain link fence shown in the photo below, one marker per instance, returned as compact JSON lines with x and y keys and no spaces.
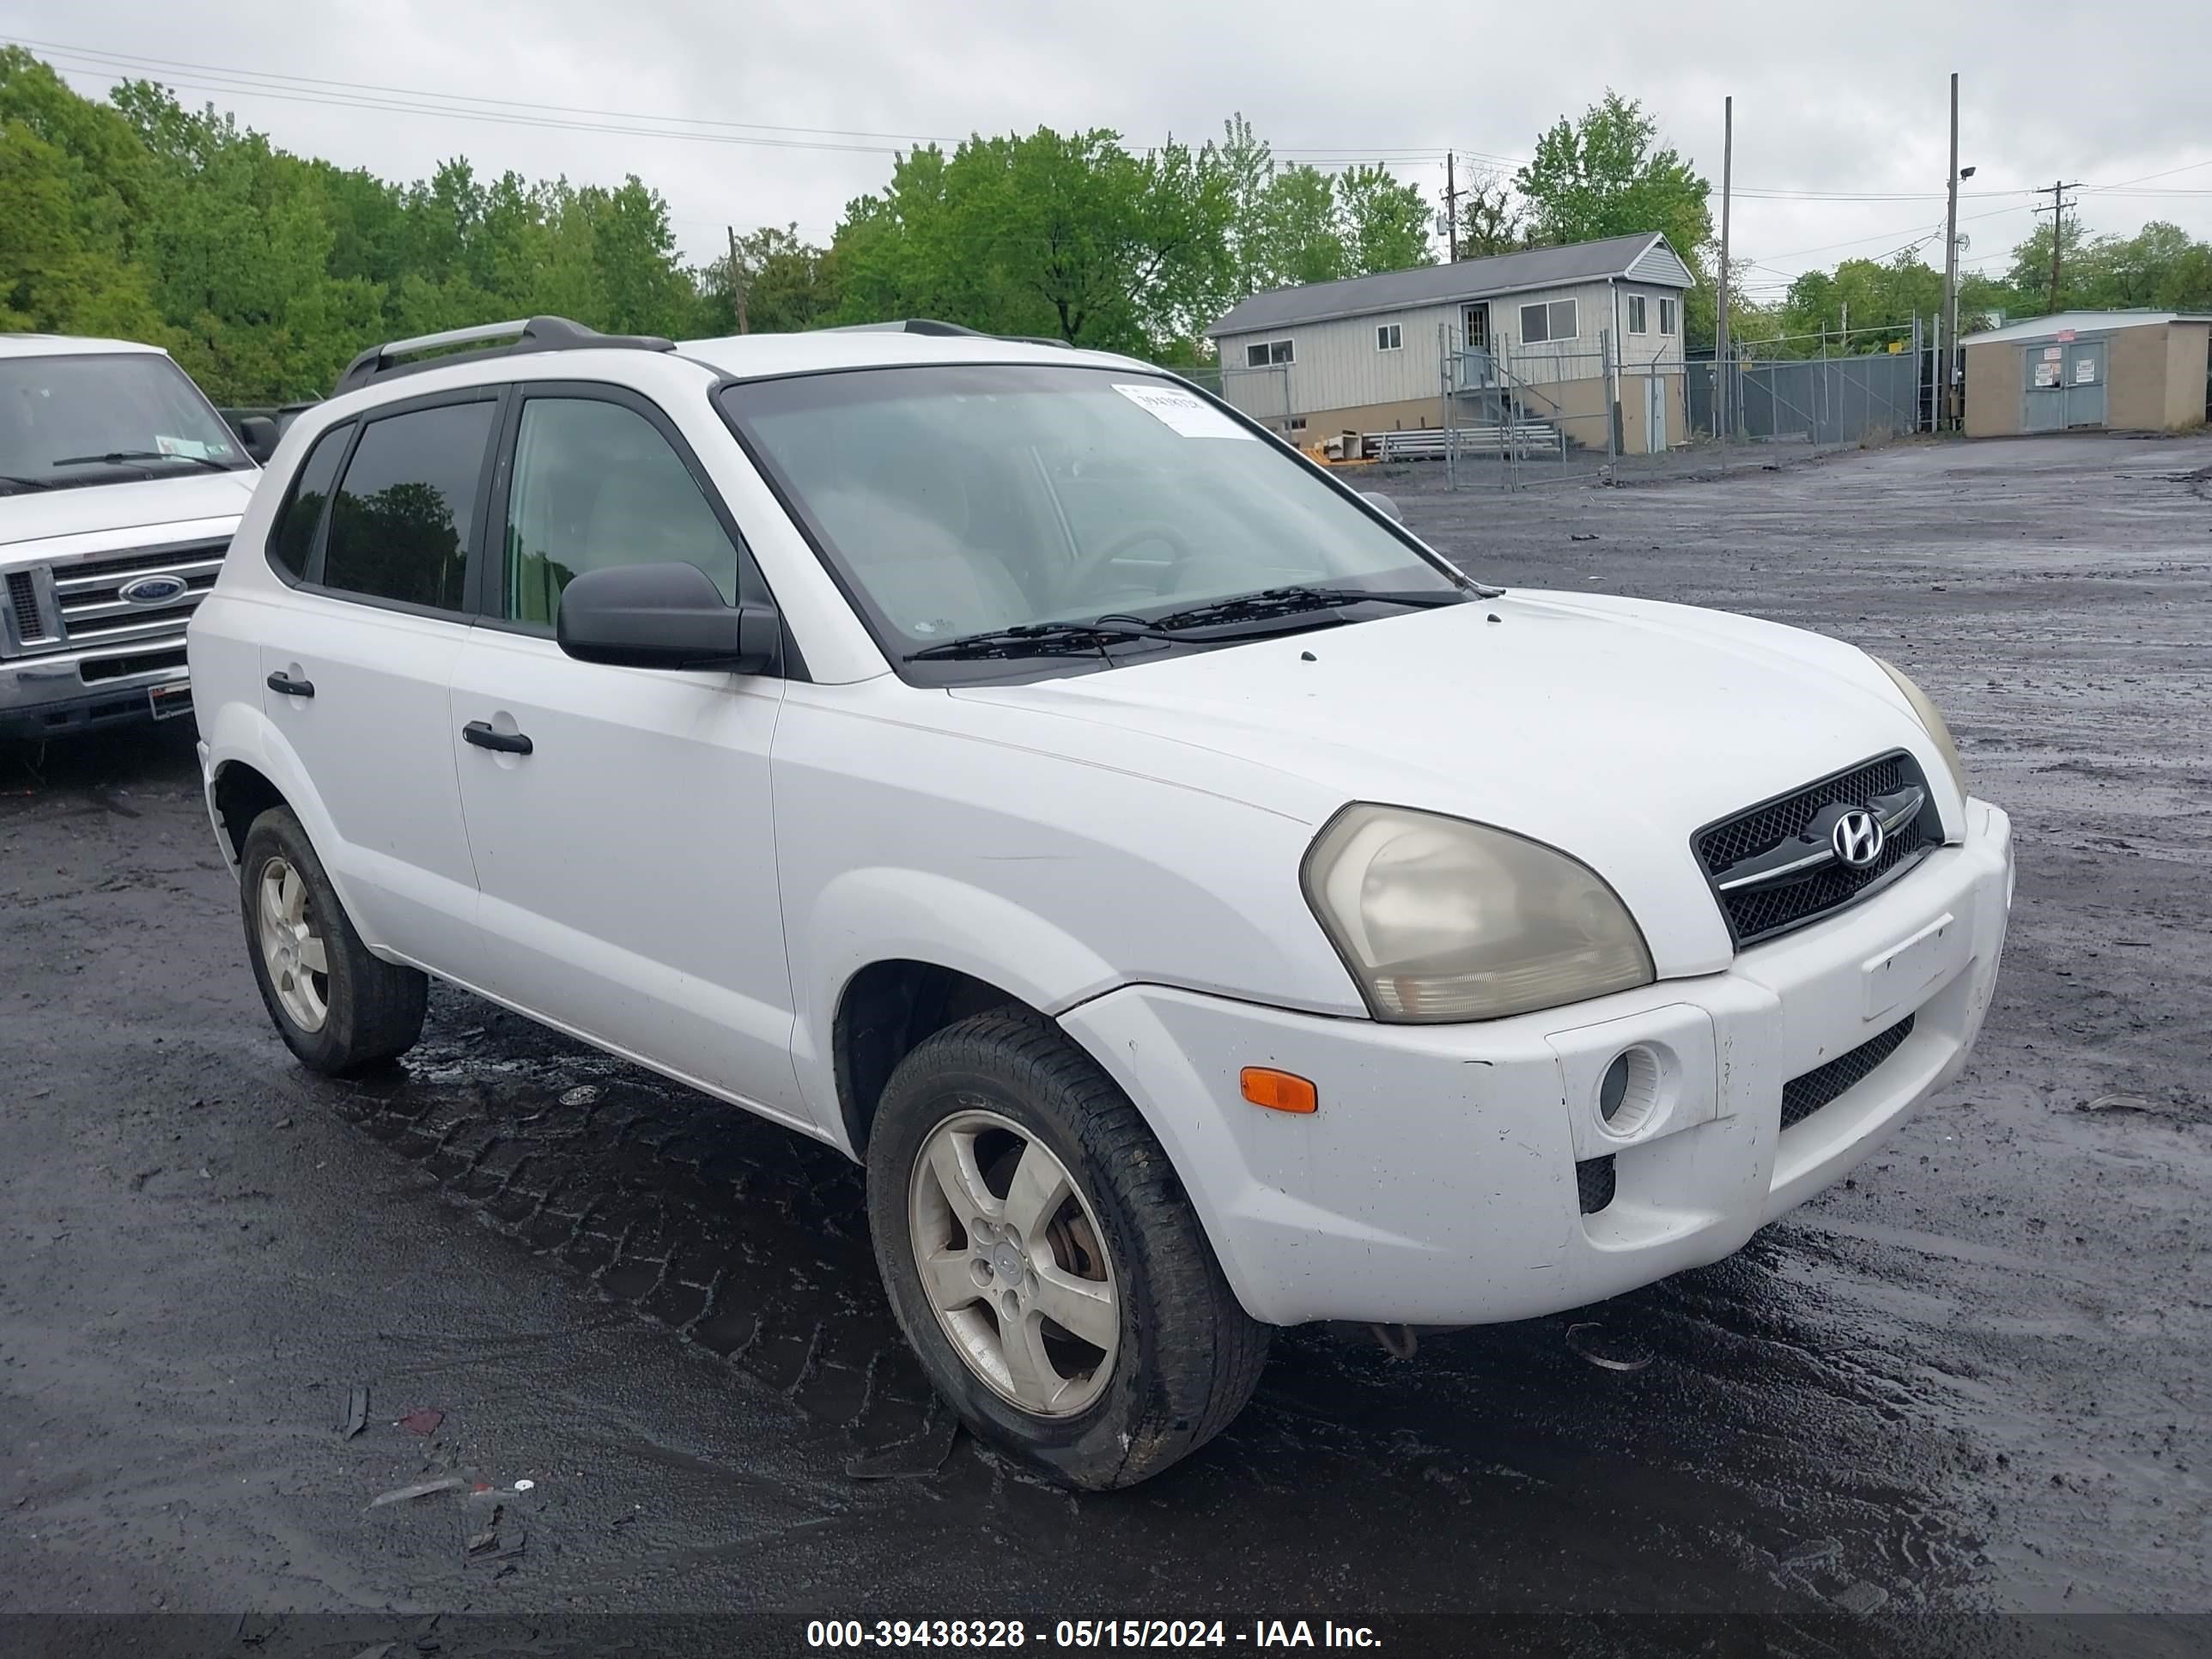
{"x":1602,"y":411}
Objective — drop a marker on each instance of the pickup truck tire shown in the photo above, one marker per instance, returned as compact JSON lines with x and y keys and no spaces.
{"x":353,"y":1012}
{"x":1178,"y":1357}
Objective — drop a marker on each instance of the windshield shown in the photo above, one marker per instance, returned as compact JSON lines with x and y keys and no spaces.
{"x":956,"y":501}
{"x":71,"y":421}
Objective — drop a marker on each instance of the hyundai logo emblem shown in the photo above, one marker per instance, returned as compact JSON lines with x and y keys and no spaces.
{"x":1856,"y":838}
{"x":151,"y":590}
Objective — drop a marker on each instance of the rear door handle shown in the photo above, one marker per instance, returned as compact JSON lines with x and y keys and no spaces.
{"x":481,"y":733}
{"x":291,"y":688}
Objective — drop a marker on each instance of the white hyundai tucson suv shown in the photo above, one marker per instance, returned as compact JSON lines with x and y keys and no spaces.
{"x":1200,"y":907}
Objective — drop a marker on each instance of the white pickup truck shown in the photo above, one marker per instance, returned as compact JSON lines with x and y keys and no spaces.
{"x":119,"y":488}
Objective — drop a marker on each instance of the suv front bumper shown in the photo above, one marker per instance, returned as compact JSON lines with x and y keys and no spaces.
{"x":1436,"y":1184}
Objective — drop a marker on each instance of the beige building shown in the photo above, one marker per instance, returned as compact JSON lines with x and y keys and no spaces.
{"x":1586,"y":339}
{"x":2134,"y":371}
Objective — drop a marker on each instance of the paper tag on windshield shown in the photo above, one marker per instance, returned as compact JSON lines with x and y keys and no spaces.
{"x":191,"y":448}
{"x":1184,"y":412}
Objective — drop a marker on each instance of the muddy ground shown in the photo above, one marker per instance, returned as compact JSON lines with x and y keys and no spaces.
{"x":1971,"y":1381}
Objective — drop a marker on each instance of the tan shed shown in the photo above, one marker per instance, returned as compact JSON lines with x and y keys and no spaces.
{"x":2133,"y":371}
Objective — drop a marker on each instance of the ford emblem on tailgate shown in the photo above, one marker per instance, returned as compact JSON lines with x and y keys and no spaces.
{"x":151,"y":590}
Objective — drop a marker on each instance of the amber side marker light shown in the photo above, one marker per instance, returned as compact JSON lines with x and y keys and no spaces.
{"x":1278,"y":1092}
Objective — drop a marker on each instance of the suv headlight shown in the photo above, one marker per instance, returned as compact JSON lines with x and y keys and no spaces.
{"x":1930,"y":718}
{"x":1442,"y":920}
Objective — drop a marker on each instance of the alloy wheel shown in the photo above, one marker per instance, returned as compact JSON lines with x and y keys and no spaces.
{"x":1011,"y":1259}
{"x":292,"y":948}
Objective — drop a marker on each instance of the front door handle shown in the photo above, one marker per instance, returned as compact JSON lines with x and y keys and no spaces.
{"x":289,"y":687}
{"x":482,"y":733}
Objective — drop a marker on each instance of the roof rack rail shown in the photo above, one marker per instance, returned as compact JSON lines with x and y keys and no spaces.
{"x":931,"y":325}
{"x":524,"y":333}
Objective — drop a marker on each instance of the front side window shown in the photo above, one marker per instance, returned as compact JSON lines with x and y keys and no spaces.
{"x":951,"y":500}
{"x":292,"y":537}
{"x":1388,"y":336}
{"x":1665,"y":316}
{"x":596,"y":486}
{"x":401,"y":521}
{"x":1265,"y":354}
{"x":1553,"y":320}
{"x":1636,"y":314}
{"x":119,"y":417}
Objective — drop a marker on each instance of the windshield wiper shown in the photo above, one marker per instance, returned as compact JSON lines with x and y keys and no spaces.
{"x":1290,"y":601}
{"x":115,"y":456}
{"x":1036,"y":640}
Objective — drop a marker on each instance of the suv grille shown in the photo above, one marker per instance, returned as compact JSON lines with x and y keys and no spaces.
{"x":1802,"y":1097}
{"x":1772,"y":867}
{"x":94,"y":610}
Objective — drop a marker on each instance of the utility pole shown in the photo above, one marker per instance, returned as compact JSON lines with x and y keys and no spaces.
{"x":1947,"y":326}
{"x":1721,"y":386}
{"x":738,"y":287}
{"x":1451,"y":207}
{"x":2056,"y":192}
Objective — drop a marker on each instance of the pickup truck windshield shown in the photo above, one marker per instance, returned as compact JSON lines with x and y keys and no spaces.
{"x":955,"y":501}
{"x":66,"y":421}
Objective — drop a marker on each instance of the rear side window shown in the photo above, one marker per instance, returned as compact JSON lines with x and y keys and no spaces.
{"x":292,"y":538}
{"x":401,"y":523}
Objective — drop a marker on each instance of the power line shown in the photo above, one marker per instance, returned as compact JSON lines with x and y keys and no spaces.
{"x":2057,"y":210}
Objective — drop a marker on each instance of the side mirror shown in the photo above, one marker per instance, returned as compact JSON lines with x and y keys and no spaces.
{"x":257,"y":435}
{"x":664,"y":616}
{"x":1382,"y":504}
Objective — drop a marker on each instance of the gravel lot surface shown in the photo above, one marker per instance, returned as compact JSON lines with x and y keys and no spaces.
{"x":1971,"y":1381}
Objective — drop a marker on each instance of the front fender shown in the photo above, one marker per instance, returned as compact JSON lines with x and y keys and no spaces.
{"x":882,"y":912}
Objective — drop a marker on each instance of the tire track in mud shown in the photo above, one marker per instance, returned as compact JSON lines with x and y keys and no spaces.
{"x":738,"y":1234}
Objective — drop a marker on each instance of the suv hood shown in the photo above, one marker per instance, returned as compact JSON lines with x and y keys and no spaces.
{"x":144,"y":504}
{"x":1611,"y":728}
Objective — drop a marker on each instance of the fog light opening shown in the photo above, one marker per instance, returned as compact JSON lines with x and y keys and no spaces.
{"x":1628,"y":1092}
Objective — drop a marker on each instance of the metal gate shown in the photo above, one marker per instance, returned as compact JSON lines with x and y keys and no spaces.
{"x":2062,"y":385}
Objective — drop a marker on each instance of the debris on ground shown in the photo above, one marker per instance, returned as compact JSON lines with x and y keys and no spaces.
{"x":356,"y":1417}
{"x":1583,"y":536}
{"x":582,"y":1095}
{"x":422,"y":1420}
{"x":2124,"y":1103}
{"x":1612,"y":1353}
{"x":501,"y":1537}
{"x":420,"y":1489}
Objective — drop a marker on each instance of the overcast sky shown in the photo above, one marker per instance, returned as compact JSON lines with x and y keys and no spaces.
{"x":1829,"y":103}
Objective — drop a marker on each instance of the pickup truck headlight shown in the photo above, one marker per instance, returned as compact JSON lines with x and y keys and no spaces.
{"x":1442,"y":920}
{"x":1925,"y":708}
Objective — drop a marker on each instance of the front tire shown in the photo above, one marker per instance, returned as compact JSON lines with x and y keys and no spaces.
{"x":338,"y":1008}
{"x":1044,"y":1261}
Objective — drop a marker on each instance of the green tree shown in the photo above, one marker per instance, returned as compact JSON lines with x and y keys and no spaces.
{"x":1490,"y":220}
{"x":74,"y":186}
{"x":787,"y":284}
{"x":1606,"y":174}
{"x":1069,"y":235}
{"x":1385,"y":220}
{"x":1300,"y":235}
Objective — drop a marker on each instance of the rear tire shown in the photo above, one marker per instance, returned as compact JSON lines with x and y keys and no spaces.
{"x":338,"y":1008}
{"x":1115,"y":1246}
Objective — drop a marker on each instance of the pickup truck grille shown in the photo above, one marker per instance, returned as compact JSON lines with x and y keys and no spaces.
{"x":1773,"y":868}
{"x":23,"y":601}
{"x":91,"y":595}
